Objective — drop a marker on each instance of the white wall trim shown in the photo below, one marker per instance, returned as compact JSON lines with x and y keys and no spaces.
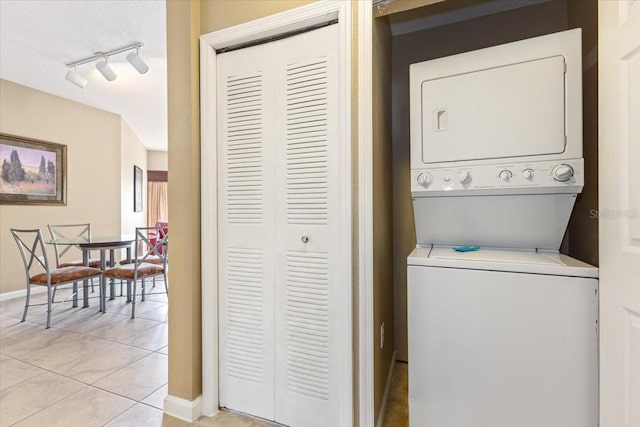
{"x":365,"y":209}
{"x":387,"y":389}
{"x":299,"y":18}
{"x":209,"y":228}
{"x":186,"y":410}
{"x":22,"y":293}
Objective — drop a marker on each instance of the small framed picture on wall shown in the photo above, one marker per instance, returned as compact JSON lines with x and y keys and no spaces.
{"x":137,"y":189}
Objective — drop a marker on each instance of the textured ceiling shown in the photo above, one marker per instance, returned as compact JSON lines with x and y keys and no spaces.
{"x":37,"y":39}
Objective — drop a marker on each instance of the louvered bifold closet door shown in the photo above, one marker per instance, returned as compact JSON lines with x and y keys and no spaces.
{"x":306,"y":210}
{"x":245,"y":230}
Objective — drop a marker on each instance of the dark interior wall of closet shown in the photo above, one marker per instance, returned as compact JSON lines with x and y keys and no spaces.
{"x":582,"y":233}
{"x":382,"y":211}
{"x":526,"y":22}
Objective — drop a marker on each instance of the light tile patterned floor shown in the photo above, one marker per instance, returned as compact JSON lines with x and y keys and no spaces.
{"x":90,"y":368}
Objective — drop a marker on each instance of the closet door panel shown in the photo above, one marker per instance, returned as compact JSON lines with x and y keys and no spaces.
{"x":306,"y":215}
{"x":245,"y":230}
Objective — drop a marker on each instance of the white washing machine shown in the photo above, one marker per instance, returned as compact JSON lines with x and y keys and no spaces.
{"x":502,"y":339}
{"x":506,"y":335}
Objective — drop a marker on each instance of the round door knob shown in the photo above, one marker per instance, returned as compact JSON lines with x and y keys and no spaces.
{"x":304,"y":239}
{"x":505,"y":175}
{"x":562,"y":173}
{"x":425,"y":179}
{"x":464,"y":177}
{"x":527,"y":173}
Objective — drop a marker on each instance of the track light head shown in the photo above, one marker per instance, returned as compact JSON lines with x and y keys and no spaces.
{"x":103,"y":64}
{"x":76,"y":78}
{"x":137,"y":62}
{"x":105,"y":69}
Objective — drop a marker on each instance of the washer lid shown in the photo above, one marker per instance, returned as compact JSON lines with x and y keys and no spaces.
{"x":495,"y":255}
{"x":551,"y":263}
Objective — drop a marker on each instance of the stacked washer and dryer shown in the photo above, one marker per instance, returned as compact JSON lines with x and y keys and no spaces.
{"x":505,"y":335}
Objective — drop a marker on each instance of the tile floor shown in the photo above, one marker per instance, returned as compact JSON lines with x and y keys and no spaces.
{"x":104,"y":369}
{"x":90,"y":368}
{"x":397,"y":413}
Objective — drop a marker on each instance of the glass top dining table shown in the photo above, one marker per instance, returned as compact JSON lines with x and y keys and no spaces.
{"x":102,"y":244}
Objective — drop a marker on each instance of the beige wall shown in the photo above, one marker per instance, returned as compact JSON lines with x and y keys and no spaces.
{"x":92,"y":138}
{"x":132,"y":153}
{"x":157,"y":160}
{"x":219,"y":14}
{"x":382,"y":208}
{"x":420,"y":46}
{"x":185,"y":360}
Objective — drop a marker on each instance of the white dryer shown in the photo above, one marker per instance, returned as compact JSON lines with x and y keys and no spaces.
{"x":507,"y":335}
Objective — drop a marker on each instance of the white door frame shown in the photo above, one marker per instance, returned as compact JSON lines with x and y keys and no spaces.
{"x":366,"y":332}
{"x":299,"y":18}
{"x":618,"y":101}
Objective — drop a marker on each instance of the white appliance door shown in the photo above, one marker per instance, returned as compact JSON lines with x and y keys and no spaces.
{"x":499,"y":349}
{"x":514,"y":110}
{"x":619,"y":129}
{"x":309,"y":315}
{"x":245,"y":230}
{"x":518,"y":221}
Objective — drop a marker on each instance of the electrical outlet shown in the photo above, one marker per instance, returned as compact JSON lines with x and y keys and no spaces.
{"x":382,"y":335}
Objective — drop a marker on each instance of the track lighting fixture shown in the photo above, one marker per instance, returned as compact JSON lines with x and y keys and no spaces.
{"x":137,"y":62}
{"x":102,"y":64}
{"x":105,"y":69}
{"x":76,"y":78}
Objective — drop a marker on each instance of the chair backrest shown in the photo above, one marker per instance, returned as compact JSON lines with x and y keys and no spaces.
{"x":151,"y":241}
{"x":79,"y":232}
{"x":31,"y":246}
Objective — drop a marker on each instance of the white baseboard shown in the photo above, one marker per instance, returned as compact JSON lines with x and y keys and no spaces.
{"x":387,"y":388}
{"x":22,"y":293}
{"x":186,"y":410}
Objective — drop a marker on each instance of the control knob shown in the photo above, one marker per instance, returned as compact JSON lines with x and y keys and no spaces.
{"x":562,"y":173}
{"x":527,"y":173}
{"x":464,"y":177}
{"x":425,"y":179}
{"x":505,"y":175}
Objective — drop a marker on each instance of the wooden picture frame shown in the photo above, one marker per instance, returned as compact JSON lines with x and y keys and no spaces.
{"x":33,"y":172}
{"x":137,"y":189}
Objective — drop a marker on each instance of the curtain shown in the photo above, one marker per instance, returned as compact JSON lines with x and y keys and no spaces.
{"x":157,"y":206}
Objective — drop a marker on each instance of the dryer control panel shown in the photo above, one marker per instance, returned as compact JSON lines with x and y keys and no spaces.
{"x":557,"y":176}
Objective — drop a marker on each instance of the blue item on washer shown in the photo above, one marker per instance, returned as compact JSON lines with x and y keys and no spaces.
{"x":466,"y":248}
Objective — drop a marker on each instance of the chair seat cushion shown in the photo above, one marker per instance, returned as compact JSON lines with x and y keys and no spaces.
{"x":66,"y":274}
{"x":93,"y":262}
{"x":127,"y":271}
{"x":151,"y":259}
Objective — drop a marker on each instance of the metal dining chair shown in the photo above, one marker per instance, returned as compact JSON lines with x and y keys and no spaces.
{"x":37,"y":270}
{"x":79,"y":232}
{"x":149,"y":261}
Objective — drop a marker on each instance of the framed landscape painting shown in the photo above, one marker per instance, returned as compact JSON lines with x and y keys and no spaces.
{"x":33,"y":172}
